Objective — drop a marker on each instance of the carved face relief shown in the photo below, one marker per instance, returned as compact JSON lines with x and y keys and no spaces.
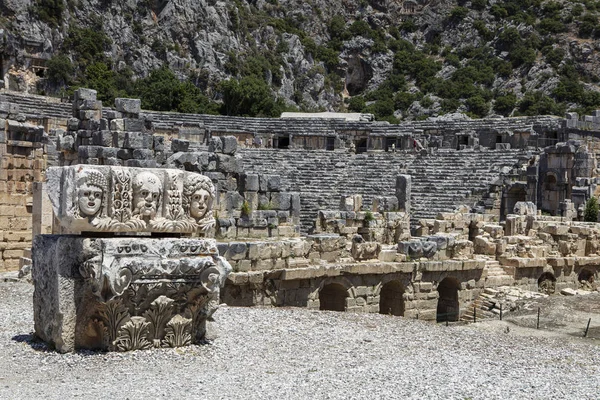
{"x":146,"y":194}
{"x":198,"y":196}
{"x":89,"y":199}
{"x":199,"y":203}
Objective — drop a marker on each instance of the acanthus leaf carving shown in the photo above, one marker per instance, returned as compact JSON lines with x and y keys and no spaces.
{"x":134,"y":335}
{"x":158,"y":315}
{"x":115,"y":315}
{"x":178,"y":332}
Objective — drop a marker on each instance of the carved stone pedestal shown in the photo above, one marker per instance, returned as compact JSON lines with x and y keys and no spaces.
{"x":124,"y":293}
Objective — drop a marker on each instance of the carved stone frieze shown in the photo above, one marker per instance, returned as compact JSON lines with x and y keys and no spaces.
{"x":125,"y":293}
{"x":89,"y":198}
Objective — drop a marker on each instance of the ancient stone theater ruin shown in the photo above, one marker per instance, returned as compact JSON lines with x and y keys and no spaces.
{"x":141,"y":215}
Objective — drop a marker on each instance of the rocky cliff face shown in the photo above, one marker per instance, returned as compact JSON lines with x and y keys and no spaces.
{"x":332,"y":55}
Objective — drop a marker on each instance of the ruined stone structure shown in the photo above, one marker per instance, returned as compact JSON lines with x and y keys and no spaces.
{"x":416,"y":219}
{"x":131,"y":292}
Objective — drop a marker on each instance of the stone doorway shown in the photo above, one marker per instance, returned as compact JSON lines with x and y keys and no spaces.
{"x":283,"y":142}
{"x":391,"y":301}
{"x":333,"y":297}
{"x":330,"y":144}
{"x":547,"y":283}
{"x":586,"y":275}
{"x":513,"y":196}
{"x":550,"y":195}
{"x":361,"y":146}
{"x":448,"y":308}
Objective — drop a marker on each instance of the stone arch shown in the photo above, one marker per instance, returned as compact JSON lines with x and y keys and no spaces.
{"x":586,"y":276}
{"x":550,"y":181}
{"x":547,"y":283}
{"x":448,"y":308}
{"x":391,"y":300}
{"x":332,"y":297}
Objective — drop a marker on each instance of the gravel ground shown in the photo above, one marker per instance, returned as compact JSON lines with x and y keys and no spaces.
{"x":289,"y":353}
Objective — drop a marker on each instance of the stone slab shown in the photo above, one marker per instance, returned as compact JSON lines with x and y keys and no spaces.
{"x":126,"y":199}
{"x":124,"y":293}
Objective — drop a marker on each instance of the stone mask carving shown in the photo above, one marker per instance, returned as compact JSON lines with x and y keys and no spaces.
{"x":92,"y":185}
{"x":123,"y":199}
{"x":198,"y":195}
{"x":146,"y":195}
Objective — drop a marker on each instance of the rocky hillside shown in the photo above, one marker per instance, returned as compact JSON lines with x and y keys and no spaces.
{"x":397,"y":59}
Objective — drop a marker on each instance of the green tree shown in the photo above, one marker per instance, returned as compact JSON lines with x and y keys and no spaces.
{"x":590,"y":213}
{"x":477,"y":106}
{"x":505,"y":104}
{"x":457,"y":14}
{"x":87,"y":44}
{"x":249,"y":97}
{"x":60,"y":70}
{"x":162,"y":91}
{"x":356,"y":104}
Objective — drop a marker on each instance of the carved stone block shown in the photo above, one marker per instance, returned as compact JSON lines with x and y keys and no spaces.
{"x":124,"y":293}
{"x":121,"y":199}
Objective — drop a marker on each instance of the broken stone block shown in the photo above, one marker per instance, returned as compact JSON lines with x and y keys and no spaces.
{"x":365,"y":250}
{"x":250,"y":183}
{"x":133,"y":124}
{"x":215,"y":145}
{"x":81,"y":298}
{"x":84,"y":94}
{"x":130,"y":106}
{"x":229,"y":144}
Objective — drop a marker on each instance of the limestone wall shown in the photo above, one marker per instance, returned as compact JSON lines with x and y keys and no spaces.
{"x":23,"y":154}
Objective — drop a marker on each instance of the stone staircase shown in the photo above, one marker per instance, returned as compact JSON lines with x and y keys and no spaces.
{"x":441,"y":181}
{"x":495,"y":275}
{"x":39,"y":106}
{"x":484,"y":307}
{"x":449,"y":178}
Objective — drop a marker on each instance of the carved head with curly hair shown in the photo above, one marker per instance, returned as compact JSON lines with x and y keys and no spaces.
{"x":90,"y":194}
{"x":198,"y":196}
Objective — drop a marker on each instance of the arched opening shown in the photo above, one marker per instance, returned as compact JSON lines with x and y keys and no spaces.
{"x":390,"y":300}
{"x":547,"y":283}
{"x":333,"y":297}
{"x":448,"y":308}
{"x":586,"y":279}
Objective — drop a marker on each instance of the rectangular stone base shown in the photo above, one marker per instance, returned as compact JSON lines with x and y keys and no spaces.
{"x":124,"y":293}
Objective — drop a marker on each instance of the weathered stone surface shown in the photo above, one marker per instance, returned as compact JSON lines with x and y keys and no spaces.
{"x":124,"y":294}
{"x":120,"y":199}
{"x":130,"y":106}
